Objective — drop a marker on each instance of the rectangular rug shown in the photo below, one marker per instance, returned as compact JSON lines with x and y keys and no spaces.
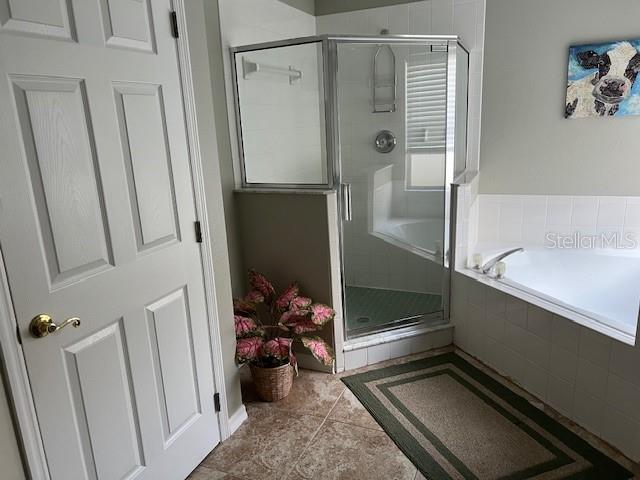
{"x":454,"y":421}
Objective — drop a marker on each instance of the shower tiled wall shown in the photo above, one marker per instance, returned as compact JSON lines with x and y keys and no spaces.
{"x":282,"y":123}
{"x":244,"y":22}
{"x":439,"y":17}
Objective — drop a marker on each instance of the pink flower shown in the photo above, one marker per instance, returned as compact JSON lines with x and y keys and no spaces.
{"x":285,"y":298}
{"x":254,"y":296}
{"x":300,"y":303}
{"x":244,"y":325}
{"x":278,"y":348}
{"x":319,"y":348}
{"x":321,"y":314}
{"x":291,"y":317}
{"x":248,"y":348}
{"x":243,"y":306}
{"x":260,"y":283}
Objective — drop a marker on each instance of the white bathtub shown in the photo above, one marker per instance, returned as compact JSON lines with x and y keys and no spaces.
{"x":423,"y":235}
{"x":599,"y":285}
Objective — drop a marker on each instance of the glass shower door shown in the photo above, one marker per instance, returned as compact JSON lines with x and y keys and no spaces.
{"x":392,"y":175}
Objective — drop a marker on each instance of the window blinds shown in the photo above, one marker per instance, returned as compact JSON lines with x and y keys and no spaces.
{"x":426,"y":103}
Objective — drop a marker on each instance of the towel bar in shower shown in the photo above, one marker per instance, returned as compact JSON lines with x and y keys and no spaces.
{"x":249,"y":68}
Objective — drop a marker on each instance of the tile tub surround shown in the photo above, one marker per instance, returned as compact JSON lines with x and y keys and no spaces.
{"x":525,"y":219}
{"x":588,"y":377}
{"x":493,"y":223}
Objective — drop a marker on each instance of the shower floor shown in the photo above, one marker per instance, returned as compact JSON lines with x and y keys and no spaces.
{"x":370,"y":309}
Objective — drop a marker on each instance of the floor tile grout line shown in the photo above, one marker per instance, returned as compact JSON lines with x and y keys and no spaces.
{"x":315,"y":434}
{"x":335,"y":403}
{"x":344,"y":422}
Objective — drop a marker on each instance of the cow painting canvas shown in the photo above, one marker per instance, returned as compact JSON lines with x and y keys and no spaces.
{"x":603,"y":80}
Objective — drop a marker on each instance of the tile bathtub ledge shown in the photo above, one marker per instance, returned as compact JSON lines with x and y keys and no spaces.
{"x":552,"y":307}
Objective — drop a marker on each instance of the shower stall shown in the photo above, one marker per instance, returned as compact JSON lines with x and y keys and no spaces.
{"x":382,"y":121}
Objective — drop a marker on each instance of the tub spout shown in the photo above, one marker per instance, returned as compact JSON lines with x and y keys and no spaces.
{"x":490,"y":265}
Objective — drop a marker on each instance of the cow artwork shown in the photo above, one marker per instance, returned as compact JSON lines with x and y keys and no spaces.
{"x":602,"y":80}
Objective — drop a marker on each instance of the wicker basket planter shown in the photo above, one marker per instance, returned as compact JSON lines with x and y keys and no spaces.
{"x":272,"y":384}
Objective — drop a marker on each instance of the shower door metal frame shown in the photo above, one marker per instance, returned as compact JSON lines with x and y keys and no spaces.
{"x":332,"y":142}
{"x":326,"y":75}
{"x":452,"y":43}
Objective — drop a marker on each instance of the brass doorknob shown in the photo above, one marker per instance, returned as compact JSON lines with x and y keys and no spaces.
{"x":42,"y":325}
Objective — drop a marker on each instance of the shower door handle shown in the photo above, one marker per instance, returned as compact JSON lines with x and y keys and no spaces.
{"x":347,"y":213}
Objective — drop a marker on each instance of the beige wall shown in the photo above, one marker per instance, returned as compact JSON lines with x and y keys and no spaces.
{"x":527,"y":145}
{"x":10,"y":461}
{"x":286,"y":237}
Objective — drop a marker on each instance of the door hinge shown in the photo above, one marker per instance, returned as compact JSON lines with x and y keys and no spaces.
{"x":174,"y":24}
{"x":18,"y":334}
{"x":216,"y":402}
{"x":198,"y":228}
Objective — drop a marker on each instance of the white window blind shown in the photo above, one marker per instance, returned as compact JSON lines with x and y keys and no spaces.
{"x":426,"y":103}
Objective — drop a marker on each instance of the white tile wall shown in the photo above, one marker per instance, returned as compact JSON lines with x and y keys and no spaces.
{"x":588,"y":377}
{"x":243,"y":22}
{"x":398,"y":348}
{"x":466,"y":222}
{"x":461,"y":17}
{"x":281,"y":121}
{"x":525,"y":219}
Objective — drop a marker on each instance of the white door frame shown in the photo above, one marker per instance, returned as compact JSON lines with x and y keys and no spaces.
{"x":11,"y":354}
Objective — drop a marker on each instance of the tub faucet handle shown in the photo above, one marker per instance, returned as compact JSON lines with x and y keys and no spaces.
{"x":488,"y":267}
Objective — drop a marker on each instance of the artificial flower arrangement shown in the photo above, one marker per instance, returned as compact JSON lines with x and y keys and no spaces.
{"x":266,"y":325}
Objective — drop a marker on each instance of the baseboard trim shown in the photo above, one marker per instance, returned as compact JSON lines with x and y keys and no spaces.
{"x":237,"y":419}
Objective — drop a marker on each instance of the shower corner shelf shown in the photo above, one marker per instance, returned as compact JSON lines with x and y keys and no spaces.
{"x":388,"y":106}
{"x":250,"y":68}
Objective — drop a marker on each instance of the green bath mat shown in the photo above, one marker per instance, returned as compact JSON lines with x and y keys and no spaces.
{"x":454,"y":421}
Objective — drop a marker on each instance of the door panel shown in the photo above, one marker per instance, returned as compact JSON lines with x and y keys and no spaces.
{"x":127,"y":24}
{"x":36,"y":17}
{"x":96,"y":222}
{"x":145,"y":148}
{"x":173,"y":349}
{"x":98,"y":387}
{"x":58,"y":139}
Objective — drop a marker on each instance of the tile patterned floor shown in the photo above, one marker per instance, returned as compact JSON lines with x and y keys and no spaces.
{"x":320,"y":431}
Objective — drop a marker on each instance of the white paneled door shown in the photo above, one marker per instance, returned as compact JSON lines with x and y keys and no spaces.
{"x":97,"y":222}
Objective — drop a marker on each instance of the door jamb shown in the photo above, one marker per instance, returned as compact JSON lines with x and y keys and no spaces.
{"x":18,"y":387}
{"x":193,"y":143}
{"x":11,"y":354}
